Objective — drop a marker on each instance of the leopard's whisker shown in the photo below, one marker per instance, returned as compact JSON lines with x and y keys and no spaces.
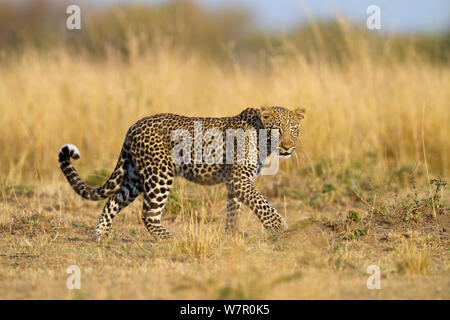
{"x":296,"y":158}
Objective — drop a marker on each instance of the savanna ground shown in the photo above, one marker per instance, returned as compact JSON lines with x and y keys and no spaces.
{"x":369,"y":186}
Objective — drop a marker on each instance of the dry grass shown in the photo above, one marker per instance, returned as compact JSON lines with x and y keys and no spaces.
{"x":371,"y":106}
{"x":350,"y":202}
{"x":48,"y":229}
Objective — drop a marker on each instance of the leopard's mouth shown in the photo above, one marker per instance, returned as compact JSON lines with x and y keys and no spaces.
{"x":284,"y":154}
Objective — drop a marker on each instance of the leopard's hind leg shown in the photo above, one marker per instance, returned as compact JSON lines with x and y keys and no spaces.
{"x":156,"y":192}
{"x":157,"y":175}
{"x":154,"y":202}
{"x":128,"y":192}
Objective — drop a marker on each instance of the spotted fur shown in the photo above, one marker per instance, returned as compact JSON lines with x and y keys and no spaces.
{"x":146,"y":166}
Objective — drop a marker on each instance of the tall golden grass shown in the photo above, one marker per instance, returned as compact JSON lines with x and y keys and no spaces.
{"x":372,"y":112}
{"x":371,"y":105}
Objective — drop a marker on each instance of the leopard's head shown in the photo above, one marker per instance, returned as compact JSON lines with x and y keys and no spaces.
{"x":287,"y":122}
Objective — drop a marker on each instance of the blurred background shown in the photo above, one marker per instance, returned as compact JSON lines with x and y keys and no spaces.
{"x":372,"y":96}
{"x":226,"y":29}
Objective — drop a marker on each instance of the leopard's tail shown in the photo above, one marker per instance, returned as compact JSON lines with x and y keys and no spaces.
{"x":108,"y":189}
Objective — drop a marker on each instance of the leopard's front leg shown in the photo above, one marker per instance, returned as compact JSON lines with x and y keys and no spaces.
{"x":242,"y":187}
{"x":233,"y":212}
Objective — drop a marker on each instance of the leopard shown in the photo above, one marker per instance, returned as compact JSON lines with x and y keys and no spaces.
{"x":148,"y":165}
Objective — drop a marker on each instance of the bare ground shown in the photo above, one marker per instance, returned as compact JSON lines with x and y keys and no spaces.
{"x":325,"y":254}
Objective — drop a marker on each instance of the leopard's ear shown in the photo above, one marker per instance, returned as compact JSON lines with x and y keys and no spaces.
{"x":299,"y":113}
{"x":266,"y":113}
